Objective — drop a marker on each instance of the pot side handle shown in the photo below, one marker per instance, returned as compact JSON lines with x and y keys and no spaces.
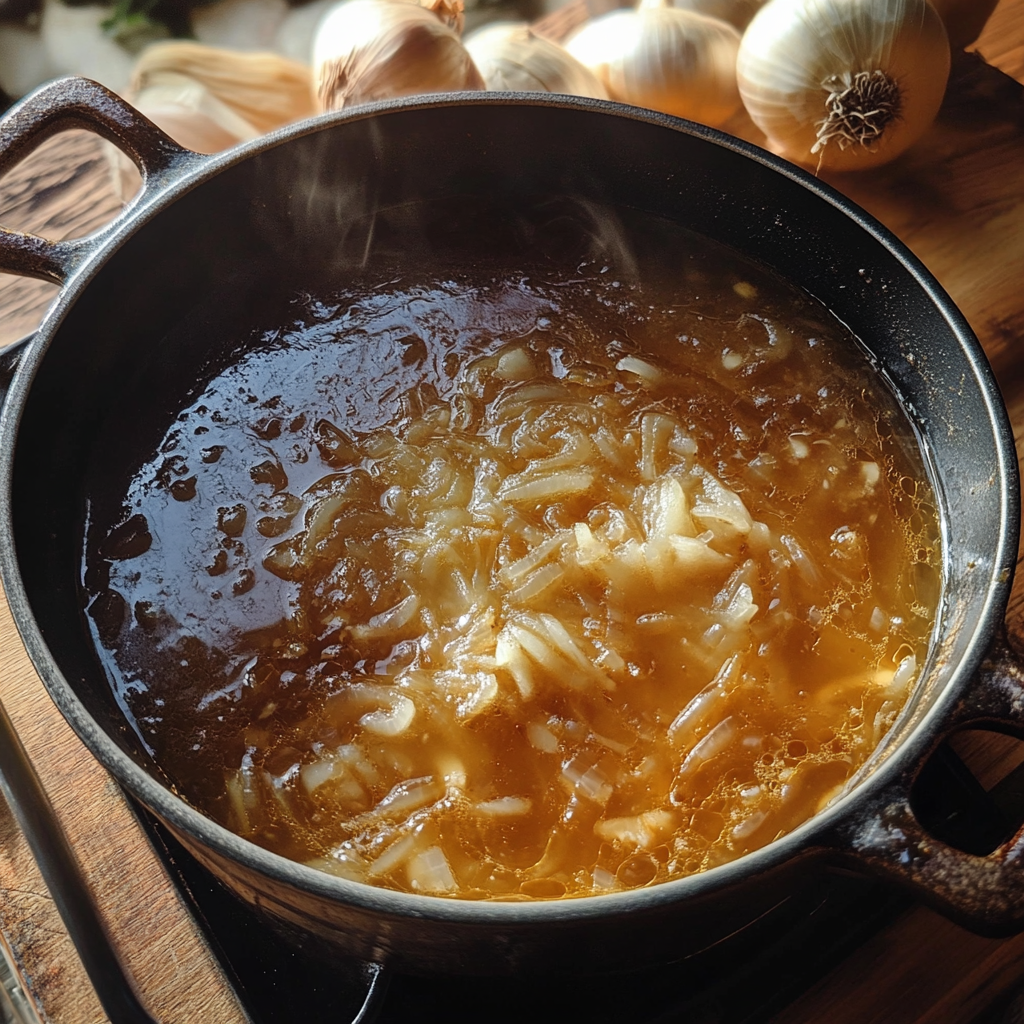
{"x":982,"y":893}
{"x":80,"y":103}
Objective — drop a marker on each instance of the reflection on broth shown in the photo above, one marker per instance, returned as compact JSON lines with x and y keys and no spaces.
{"x":524,"y":582}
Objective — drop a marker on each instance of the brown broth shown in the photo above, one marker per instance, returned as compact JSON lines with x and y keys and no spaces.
{"x":525,"y":582}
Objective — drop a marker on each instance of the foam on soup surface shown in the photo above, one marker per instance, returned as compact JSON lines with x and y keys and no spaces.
{"x":516,"y":583}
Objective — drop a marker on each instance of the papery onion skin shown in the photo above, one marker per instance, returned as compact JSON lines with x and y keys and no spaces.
{"x":369,"y":50}
{"x":451,"y":12}
{"x":260,"y":91}
{"x":510,"y":56}
{"x":669,"y":60}
{"x":796,"y":52}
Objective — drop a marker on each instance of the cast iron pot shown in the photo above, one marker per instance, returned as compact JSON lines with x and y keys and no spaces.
{"x":200,"y":221}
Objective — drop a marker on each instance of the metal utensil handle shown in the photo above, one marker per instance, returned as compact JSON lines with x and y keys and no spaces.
{"x":79,"y":103}
{"x":985,"y":894}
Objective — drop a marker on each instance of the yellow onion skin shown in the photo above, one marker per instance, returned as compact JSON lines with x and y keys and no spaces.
{"x":793,"y":49}
{"x":369,"y":50}
{"x":674,"y":61}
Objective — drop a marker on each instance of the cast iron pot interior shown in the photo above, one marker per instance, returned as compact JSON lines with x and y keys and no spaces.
{"x":130,"y":336}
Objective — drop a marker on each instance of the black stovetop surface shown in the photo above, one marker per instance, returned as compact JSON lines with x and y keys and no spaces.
{"x":746,"y":978}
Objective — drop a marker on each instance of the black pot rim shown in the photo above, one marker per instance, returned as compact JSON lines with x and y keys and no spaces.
{"x":807,"y":839}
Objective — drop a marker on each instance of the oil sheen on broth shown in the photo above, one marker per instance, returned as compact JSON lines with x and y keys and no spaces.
{"x":526,"y":581}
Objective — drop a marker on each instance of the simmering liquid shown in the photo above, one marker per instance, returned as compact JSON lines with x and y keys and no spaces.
{"x":527,"y":581}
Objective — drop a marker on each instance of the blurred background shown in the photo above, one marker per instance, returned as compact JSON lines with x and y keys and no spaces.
{"x":43,"y":39}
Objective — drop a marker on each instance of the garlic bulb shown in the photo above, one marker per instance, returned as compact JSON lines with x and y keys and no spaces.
{"x":735,"y":12}
{"x":670,"y":60}
{"x":843,"y":84}
{"x":260,"y":91}
{"x":375,"y":49}
{"x":511,"y":56}
{"x":964,"y":19}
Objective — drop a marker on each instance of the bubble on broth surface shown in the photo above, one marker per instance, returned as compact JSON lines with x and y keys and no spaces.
{"x":524,"y":579}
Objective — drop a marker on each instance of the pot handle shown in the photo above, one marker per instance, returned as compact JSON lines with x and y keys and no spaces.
{"x":982,"y":893}
{"x":80,"y":103}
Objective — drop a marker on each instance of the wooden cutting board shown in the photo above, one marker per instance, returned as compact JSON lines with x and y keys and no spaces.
{"x":957,"y":199}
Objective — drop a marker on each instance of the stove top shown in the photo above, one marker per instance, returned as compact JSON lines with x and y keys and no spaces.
{"x":745,"y":978}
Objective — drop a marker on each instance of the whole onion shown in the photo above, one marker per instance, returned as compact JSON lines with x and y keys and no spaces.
{"x":675,"y":61}
{"x":843,"y":84}
{"x":375,"y":49}
{"x":511,"y":56}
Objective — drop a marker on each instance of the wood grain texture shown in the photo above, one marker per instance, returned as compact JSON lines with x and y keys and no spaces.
{"x":33,"y":933}
{"x":911,"y":972}
{"x":160,"y":944}
{"x":957,"y":199}
{"x":1002,"y":41}
{"x":948,"y":202}
{"x":62,"y":190}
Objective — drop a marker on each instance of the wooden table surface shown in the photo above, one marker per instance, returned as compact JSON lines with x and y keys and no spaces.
{"x":957,"y":199}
